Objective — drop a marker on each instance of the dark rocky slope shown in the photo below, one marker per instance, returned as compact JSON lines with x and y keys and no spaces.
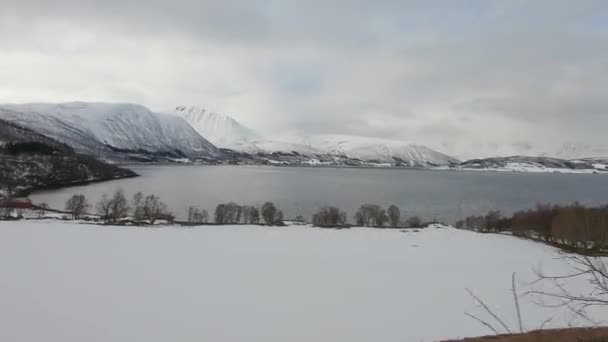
{"x":30,"y":161}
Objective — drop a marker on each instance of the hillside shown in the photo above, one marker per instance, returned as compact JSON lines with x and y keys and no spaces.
{"x":30,"y":161}
{"x":107,"y":129}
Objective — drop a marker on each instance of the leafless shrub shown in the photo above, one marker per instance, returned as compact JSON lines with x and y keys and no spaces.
{"x":414,"y":222}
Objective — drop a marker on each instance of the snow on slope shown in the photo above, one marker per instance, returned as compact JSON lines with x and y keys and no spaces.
{"x":382,"y":150}
{"x":243,"y":283}
{"x":89,"y":127}
{"x":226,"y":132}
{"x":568,"y":150}
{"x":221,"y":130}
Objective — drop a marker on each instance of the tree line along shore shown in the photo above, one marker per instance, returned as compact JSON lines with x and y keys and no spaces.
{"x":573,"y":227}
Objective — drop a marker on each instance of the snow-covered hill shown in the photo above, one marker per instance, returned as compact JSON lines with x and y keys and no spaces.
{"x":535,"y":164}
{"x":381,"y":150}
{"x":567,"y":150}
{"x":98,"y":128}
{"x":226,"y":132}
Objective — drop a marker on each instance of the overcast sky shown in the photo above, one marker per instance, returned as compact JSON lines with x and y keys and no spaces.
{"x":465,"y":77}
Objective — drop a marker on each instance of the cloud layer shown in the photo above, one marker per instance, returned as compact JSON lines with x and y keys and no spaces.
{"x":468,"y":77}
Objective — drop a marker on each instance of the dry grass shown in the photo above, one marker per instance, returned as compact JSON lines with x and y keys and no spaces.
{"x":559,"y":335}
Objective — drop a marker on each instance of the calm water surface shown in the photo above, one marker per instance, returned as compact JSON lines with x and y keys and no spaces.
{"x":445,"y":195}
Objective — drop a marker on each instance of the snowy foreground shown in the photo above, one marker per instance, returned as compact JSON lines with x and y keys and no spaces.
{"x":70,"y":282}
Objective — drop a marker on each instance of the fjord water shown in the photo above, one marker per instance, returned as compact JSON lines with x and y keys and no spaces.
{"x":438,"y":195}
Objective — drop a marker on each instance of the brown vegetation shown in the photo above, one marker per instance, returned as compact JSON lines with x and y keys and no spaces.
{"x":573,"y":227}
{"x":558,"y":335}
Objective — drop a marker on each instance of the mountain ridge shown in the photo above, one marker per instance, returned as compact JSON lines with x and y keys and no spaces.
{"x":226,"y":132}
{"x":105,"y":128}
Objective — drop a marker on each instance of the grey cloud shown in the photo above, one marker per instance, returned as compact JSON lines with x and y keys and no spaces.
{"x":434,"y":72}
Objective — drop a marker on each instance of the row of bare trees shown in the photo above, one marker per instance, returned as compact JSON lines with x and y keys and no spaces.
{"x":232,"y":213}
{"x":149,"y":209}
{"x":116,"y":208}
{"x":573,"y":225}
{"x":196,"y":215}
{"x":329,"y":217}
{"x":368,"y":215}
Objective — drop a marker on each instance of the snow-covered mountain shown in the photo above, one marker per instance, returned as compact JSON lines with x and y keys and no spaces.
{"x":221,"y":130}
{"x":567,"y":150}
{"x":381,"y":150}
{"x":226,"y":132}
{"x":97,"y":128}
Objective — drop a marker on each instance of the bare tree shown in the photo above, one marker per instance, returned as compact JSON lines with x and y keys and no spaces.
{"x":232,"y":213}
{"x":494,"y":316}
{"x":113,"y":209}
{"x":138,"y":207}
{"x":492,"y":220}
{"x":228,"y":213}
{"x":279,"y":217}
{"x":119,"y":206}
{"x":270,"y":213}
{"x":203,"y":216}
{"x":394,"y":215}
{"x":329,"y":217}
{"x":220,"y":214}
{"x":197,"y":216}
{"x":42,"y":209}
{"x":592,"y":269}
{"x":76,"y":206}
{"x":103,"y":207}
{"x":154,"y":209}
{"x":371,"y":215}
{"x":248,"y":214}
{"x":254,"y":217}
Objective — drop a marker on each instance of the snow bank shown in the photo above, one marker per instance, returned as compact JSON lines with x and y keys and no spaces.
{"x":69,"y":282}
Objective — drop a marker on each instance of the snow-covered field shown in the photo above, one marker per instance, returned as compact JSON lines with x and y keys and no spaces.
{"x":70,"y":282}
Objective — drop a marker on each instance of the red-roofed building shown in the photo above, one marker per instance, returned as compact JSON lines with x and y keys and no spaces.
{"x":17,"y":203}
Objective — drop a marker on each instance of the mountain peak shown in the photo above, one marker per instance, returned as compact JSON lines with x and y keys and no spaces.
{"x":222,"y":130}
